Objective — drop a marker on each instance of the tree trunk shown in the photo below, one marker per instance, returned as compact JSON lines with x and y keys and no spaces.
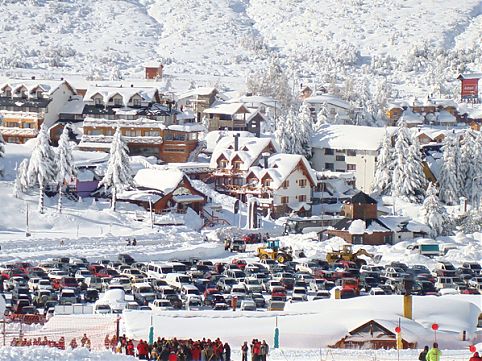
{"x":41,"y":198}
{"x":114,"y":199}
{"x":59,"y":204}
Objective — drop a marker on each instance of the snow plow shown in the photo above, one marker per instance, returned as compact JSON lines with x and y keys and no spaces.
{"x":347,"y":254}
{"x":272,"y":250}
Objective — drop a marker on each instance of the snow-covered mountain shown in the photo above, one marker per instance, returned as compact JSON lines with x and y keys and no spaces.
{"x":214,"y":40}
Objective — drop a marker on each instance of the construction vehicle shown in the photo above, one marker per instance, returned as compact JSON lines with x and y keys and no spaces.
{"x":347,"y":254}
{"x":272,"y":250}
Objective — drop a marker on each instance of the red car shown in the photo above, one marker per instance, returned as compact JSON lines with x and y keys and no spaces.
{"x":240,"y":263}
{"x":252,"y":238}
{"x":279,"y":292}
{"x":68,"y":282}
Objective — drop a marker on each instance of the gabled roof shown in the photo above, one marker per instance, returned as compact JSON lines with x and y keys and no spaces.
{"x":227,"y":109}
{"x":202,"y":91}
{"x":470,"y":76}
{"x":47,"y":86}
{"x":362,"y":198}
{"x":360,"y":226}
{"x":164,"y":180}
{"x":280,"y":166}
{"x":148,"y":94}
{"x":249,"y":150}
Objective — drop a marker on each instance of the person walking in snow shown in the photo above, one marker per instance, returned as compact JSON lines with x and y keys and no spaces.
{"x":244,"y":351}
{"x":476,"y":357}
{"x":263,"y":351}
{"x":434,"y":354}
{"x":423,"y":354}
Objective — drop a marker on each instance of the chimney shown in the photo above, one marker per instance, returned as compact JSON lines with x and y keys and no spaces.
{"x":62,"y":79}
{"x":33,"y":77}
{"x":236,"y":142}
{"x":265,"y":157}
{"x":132,"y":85}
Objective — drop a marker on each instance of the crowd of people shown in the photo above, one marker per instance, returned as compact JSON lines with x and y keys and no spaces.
{"x":258,"y":350}
{"x":175,"y":350}
{"x":45,"y":341}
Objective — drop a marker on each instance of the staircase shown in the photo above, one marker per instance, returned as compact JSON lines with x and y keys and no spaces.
{"x":195,"y":153}
{"x":210,"y":220}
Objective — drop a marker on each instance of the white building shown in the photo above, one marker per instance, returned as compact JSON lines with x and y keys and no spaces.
{"x":337,"y":108}
{"x":349,"y":148}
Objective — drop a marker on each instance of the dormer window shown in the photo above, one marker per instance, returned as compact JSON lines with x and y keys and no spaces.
{"x":136,"y":102}
{"x":8,"y":93}
{"x":222,"y":164}
{"x":39,"y":94}
{"x":98,"y":101}
{"x":266,"y":182}
{"x":117,"y":102}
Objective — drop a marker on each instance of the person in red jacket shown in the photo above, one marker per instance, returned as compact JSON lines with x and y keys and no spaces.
{"x":196,"y":352}
{"x":142,"y":350}
{"x":476,"y":357}
{"x":256,"y":350}
{"x":172,"y":356}
{"x":130,"y":348}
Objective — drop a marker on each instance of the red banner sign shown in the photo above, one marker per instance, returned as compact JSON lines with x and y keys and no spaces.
{"x":470,"y":87}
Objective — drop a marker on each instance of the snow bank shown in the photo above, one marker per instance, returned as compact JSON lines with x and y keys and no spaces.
{"x":52,"y":354}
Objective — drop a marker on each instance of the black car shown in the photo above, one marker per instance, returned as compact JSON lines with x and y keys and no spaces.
{"x":126,"y":259}
{"x":91,"y":295}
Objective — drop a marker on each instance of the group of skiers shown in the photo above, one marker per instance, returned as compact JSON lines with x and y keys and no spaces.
{"x":434,"y":354}
{"x":131,"y":243}
{"x":259,"y":350}
{"x":175,"y":350}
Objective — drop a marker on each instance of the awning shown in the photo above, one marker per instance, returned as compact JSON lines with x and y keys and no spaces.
{"x":188,"y":198}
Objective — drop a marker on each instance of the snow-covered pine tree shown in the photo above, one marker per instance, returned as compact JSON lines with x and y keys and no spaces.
{"x":467,"y":167}
{"x":305,"y":131}
{"x":449,"y":185}
{"x":285,"y":131}
{"x":434,"y":214}
{"x":118,"y":175}
{"x":42,"y":167}
{"x":65,"y":163}
{"x":408,"y":178}
{"x":385,"y":165}
{"x":476,"y":181}
{"x":21,"y":179}
{"x":115,"y":73}
{"x":2,"y":154}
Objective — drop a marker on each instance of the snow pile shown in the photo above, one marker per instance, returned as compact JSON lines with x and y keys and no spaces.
{"x":358,"y":226}
{"x":52,"y":354}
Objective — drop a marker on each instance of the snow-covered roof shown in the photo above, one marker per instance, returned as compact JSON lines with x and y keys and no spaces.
{"x":280,"y":166}
{"x":445,"y":117}
{"x":329,"y":99}
{"x":47,"y":86}
{"x":227,"y":109}
{"x":124,"y":123}
{"x":75,"y":105}
{"x":249,"y":150}
{"x":165,"y":180}
{"x":342,"y":136}
{"x":187,"y":127}
{"x":213,"y":137}
{"x":470,"y":76}
{"x":203,"y":91}
{"x":148,"y":94}
{"x":255,"y":101}
{"x":139,"y":195}
{"x":409,"y":117}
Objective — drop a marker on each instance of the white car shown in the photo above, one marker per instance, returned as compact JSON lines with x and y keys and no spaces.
{"x":121,"y":281}
{"x":253,"y":285}
{"x":102,"y":309}
{"x":476,"y":283}
{"x":33,"y":283}
{"x":161,"y":305}
{"x":44,"y":284}
{"x":376,"y":291}
{"x":248,"y":305}
{"x":82,"y":274}
{"x":299,"y":294}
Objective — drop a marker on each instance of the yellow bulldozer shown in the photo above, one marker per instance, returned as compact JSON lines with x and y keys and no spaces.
{"x":272,"y":250}
{"x":347,"y":254}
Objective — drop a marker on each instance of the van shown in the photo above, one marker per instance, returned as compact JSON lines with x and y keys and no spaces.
{"x":444,"y":282}
{"x":67,"y":296}
{"x":189,"y":290}
{"x":177,"y":280}
{"x":276,"y":305}
{"x":159,"y":271}
{"x":94,"y":282}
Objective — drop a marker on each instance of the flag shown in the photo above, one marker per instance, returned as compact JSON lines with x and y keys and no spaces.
{"x":276,"y":334}
{"x":151,"y":333}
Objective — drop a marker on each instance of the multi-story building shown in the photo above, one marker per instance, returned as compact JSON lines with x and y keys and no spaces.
{"x":197,"y":100}
{"x":26,"y":104}
{"x":349,"y":148}
{"x":150,"y":128}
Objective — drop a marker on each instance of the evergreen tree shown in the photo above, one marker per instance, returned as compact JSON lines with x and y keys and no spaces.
{"x":285,"y":132}
{"x":449,"y":182}
{"x":21,"y":179}
{"x":42,"y":167}
{"x":118,"y":175}
{"x":385,"y":165}
{"x":65,"y":163}
{"x":408,"y":178}
{"x":305,"y":131}
{"x":475,"y":189}
{"x":434,"y":214}
{"x":467,"y":168}
{"x":2,"y":154}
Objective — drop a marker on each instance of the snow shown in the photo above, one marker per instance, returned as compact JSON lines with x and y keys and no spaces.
{"x":358,"y":226}
{"x":227,"y":109}
{"x":51,"y":354}
{"x":164,"y":180}
{"x":212,"y":138}
{"x":342,"y":136}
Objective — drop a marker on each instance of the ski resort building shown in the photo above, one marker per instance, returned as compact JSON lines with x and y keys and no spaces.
{"x":150,"y":128}
{"x":230,"y":116}
{"x":197,"y":100}
{"x":469,"y":89}
{"x":26,"y":104}
{"x":415,"y":112}
{"x":349,"y":148}
{"x":361,"y":224}
{"x":336,"y":108}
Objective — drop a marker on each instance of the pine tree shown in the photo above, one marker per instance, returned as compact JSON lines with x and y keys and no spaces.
{"x":408,"y":178}
{"x":2,"y":154}
{"x":473,"y":193}
{"x":65,"y":163}
{"x":434,"y":214}
{"x":385,"y":165}
{"x":285,"y":132}
{"x":467,"y":166}
{"x":449,"y":184}
{"x":21,"y":180}
{"x":118,"y":175}
{"x":42,"y":166}
{"x":305,"y":131}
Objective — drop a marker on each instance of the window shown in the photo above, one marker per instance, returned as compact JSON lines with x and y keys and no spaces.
{"x":388,"y":239}
{"x":28,"y":125}
{"x":329,"y":151}
{"x":222,"y":164}
{"x":136,"y":102}
{"x":302,"y":183}
{"x":329,"y":166}
{"x":351,"y":152}
{"x":117,"y":101}
{"x":11,"y":124}
{"x":284,"y":200}
{"x":301,"y":198}
{"x":39,"y":94}
{"x":8,"y":93}
{"x":285,"y":184}
{"x":351,"y":167}
{"x":237,"y":165}
{"x":98,"y":101}
{"x":266,"y":182}
{"x":357,"y":239}
{"x":133,"y":132}
{"x":152,"y":133}
{"x":340,"y":158}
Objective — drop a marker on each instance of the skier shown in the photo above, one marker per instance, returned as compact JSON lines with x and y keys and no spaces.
{"x":128,"y":241}
{"x":434,"y":354}
{"x":134,"y":242}
{"x":423,"y":354}
{"x":227,"y":352}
